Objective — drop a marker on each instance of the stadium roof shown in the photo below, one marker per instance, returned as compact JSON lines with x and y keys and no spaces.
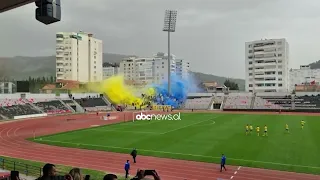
{"x":6,"y":5}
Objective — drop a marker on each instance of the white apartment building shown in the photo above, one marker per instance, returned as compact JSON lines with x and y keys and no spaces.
{"x":110,"y":71}
{"x":78,"y":57}
{"x":182,"y":68}
{"x":7,"y":88}
{"x":304,"y":75}
{"x":151,"y":70}
{"x":267,"y":65}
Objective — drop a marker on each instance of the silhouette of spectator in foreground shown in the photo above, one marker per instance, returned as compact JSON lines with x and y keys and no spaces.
{"x":49,"y":171}
{"x":76,"y":174}
{"x":110,"y":177}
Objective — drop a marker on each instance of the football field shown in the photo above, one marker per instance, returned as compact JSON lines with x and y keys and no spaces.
{"x":204,"y":137}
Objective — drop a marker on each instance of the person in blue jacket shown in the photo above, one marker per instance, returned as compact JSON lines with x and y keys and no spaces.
{"x":127,"y":168}
{"x":223,"y":162}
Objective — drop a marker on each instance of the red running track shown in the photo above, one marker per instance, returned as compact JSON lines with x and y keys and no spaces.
{"x":13,"y":144}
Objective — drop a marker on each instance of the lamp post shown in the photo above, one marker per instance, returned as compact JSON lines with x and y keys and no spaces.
{"x":170,"y":20}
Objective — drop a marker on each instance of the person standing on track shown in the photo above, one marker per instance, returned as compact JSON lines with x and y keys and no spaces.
{"x":127,"y":168}
{"x":134,"y":155}
{"x":223,"y":163}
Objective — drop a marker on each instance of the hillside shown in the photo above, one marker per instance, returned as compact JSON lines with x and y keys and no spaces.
{"x":315,"y":65}
{"x":201,"y":77}
{"x":20,"y":68}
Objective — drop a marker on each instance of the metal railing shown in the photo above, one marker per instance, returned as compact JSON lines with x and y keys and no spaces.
{"x":23,"y":168}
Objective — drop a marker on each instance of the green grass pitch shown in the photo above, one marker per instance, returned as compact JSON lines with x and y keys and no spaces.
{"x":203,"y":137}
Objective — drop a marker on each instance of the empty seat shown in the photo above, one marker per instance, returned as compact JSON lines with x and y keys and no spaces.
{"x":307,"y":102}
{"x":52,"y":107}
{"x":261,"y":103}
{"x":91,"y":102}
{"x":18,"y":110}
{"x":238,"y":102}
{"x":198,"y":103}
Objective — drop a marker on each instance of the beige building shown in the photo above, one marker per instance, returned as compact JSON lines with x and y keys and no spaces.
{"x":78,"y":57}
{"x":153,"y":69}
{"x":267,"y":65}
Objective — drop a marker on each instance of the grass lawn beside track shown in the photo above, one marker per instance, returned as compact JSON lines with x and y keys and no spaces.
{"x":203,"y":137}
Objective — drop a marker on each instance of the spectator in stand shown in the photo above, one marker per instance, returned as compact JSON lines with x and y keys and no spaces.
{"x":76,"y":174}
{"x":110,"y":177}
{"x":48,"y":170}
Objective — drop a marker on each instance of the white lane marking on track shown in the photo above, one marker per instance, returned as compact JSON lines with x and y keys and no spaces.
{"x":235,"y":172}
{"x":173,"y":153}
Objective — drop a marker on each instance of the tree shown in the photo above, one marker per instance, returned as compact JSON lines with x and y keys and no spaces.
{"x":231,"y":85}
{"x":52,"y":79}
{"x":3,"y":71}
{"x":315,"y":65}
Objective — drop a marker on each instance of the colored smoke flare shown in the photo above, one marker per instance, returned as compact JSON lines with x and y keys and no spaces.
{"x":153,"y":94}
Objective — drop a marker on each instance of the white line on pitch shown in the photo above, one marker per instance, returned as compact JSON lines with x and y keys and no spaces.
{"x":239,"y":168}
{"x":121,"y":131}
{"x":213,"y":122}
{"x":187,"y":126}
{"x":231,"y":177}
{"x":235,"y":172}
{"x":173,"y":153}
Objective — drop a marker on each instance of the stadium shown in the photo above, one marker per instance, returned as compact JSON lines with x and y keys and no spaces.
{"x":95,"y":127}
{"x":77,"y":129}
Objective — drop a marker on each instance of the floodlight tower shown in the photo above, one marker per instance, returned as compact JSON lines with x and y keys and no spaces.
{"x":170,"y":20}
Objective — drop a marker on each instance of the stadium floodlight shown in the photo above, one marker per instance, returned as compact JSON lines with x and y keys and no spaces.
{"x":170,"y":20}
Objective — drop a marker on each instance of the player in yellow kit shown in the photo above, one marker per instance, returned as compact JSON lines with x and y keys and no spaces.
{"x":302,"y":124}
{"x":287,"y":128}
{"x":258,"y":130}
{"x":247,"y":129}
{"x":265,"y":130}
{"x":251,"y":128}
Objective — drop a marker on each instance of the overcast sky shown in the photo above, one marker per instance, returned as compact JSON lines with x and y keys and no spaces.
{"x":210,"y":33}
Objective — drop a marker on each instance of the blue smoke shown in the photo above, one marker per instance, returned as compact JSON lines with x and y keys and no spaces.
{"x":179,"y":91}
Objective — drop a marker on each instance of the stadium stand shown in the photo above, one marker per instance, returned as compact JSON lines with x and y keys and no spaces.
{"x":51,"y":106}
{"x":238,"y":101}
{"x":45,"y":104}
{"x":277,"y":101}
{"x":261,"y":103}
{"x":16,"y":107}
{"x":198,"y":103}
{"x":94,"y":104}
{"x":69,"y":101}
{"x":306,"y":102}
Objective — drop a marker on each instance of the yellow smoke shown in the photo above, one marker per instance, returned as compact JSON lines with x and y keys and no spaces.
{"x":120,"y":93}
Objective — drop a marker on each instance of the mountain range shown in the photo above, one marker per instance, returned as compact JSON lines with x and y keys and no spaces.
{"x":21,"y":67}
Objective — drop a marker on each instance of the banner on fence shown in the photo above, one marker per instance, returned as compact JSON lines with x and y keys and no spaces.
{"x":161,"y":107}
